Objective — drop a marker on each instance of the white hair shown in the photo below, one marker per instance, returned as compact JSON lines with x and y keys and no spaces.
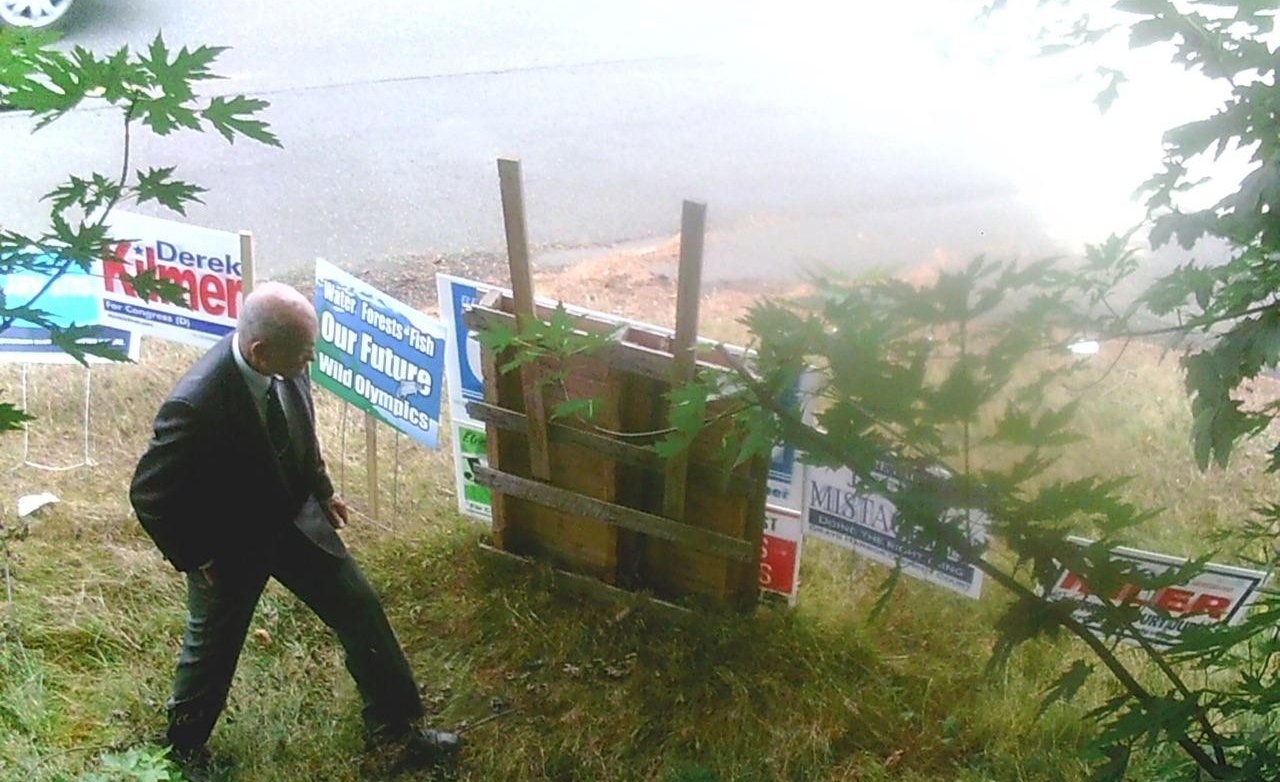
{"x":273,"y":313}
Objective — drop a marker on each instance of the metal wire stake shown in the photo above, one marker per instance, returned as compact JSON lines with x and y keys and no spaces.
{"x":26,"y":430}
{"x":370,"y":519}
{"x":395,"y":479}
{"x":342,"y":460}
{"x":8,"y":581}
{"x":88,"y":391}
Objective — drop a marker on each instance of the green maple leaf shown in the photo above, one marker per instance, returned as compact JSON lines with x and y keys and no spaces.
{"x":80,"y":244}
{"x":166,"y":108}
{"x":148,"y":285}
{"x":60,"y":89}
{"x":175,"y":76}
{"x":688,"y":415}
{"x":1108,"y":94}
{"x":575,"y":408}
{"x":21,"y":52}
{"x":158,"y":185}
{"x":12,"y":418}
{"x":497,"y":337}
{"x":79,"y":342}
{"x":103,"y":192}
{"x":19,"y":251}
{"x":757,"y":442}
{"x":1066,"y":686}
{"x":230,"y":116}
{"x":88,"y":193}
{"x":114,"y":78}
{"x":71,"y":192}
{"x":27,"y":314}
{"x":165,"y":114}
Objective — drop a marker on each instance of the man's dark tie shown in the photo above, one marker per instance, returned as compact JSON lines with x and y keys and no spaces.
{"x":277,"y":424}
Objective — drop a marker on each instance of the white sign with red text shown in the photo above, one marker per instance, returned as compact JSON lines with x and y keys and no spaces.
{"x":841,"y":508}
{"x":780,"y":551}
{"x":1218,"y":595}
{"x":204,"y":262}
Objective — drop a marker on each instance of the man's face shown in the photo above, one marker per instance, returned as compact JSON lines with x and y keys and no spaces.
{"x":288,"y":359}
{"x":287,"y":356}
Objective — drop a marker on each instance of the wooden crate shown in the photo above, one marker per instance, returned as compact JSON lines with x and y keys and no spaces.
{"x":586,"y":495}
{"x":600,"y":512}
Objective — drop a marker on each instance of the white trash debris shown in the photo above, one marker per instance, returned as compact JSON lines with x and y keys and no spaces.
{"x":31,"y":503}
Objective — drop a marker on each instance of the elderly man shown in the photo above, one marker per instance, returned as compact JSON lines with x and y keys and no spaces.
{"x":233,"y":491}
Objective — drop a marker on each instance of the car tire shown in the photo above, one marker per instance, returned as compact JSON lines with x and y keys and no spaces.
{"x":33,"y":13}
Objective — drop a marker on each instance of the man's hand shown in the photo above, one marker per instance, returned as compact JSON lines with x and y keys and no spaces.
{"x":206,"y":570}
{"x":337,"y":508}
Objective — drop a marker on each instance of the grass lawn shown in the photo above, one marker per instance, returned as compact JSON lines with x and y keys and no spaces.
{"x":599,"y":690}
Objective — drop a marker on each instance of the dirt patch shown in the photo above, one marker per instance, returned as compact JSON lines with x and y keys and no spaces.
{"x":636,"y":284}
{"x":641,"y":285}
{"x":412,"y":278}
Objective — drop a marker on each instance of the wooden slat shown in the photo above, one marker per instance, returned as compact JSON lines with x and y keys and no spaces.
{"x":492,"y":300}
{"x":641,"y":488}
{"x":511,"y":182}
{"x":693,"y":222}
{"x":627,"y":453}
{"x":513,"y":220}
{"x":248,"y":269}
{"x":494,"y":447}
{"x":579,"y":543}
{"x":621,"y":354}
{"x":576,"y":543}
{"x":652,"y":343}
{"x":616,"y":515}
{"x":749,"y":585}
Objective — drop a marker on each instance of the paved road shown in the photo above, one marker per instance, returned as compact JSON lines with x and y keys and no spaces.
{"x":816,"y":136}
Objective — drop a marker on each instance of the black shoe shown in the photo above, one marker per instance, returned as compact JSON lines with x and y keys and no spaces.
{"x":195,"y":764}
{"x":421,"y":747}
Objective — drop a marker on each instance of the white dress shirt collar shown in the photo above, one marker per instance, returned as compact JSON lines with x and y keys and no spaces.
{"x":257,"y":382}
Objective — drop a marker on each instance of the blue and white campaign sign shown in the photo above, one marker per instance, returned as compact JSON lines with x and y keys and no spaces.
{"x":379,"y":354}
{"x":204,"y":262}
{"x":71,"y":299}
{"x":466,"y":378}
{"x":840,"y":509}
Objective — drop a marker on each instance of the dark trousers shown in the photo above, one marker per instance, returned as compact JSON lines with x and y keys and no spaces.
{"x":218,"y":617}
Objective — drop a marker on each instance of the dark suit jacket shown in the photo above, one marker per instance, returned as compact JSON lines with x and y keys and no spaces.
{"x":209,"y":486}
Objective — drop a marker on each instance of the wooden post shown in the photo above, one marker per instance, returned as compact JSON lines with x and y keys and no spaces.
{"x":371,"y":462}
{"x":693,"y":223}
{"x":498,"y":505}
{"x":248,"y":271}
{"x":510,"y":181}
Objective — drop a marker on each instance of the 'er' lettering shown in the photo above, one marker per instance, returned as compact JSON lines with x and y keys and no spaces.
{"x":207,"y":293}
{"x":1171,"y":599}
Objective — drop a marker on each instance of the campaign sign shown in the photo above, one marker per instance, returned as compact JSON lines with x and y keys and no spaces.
{"x":786,"y":477}
{"x":1219,"y":595}
{"x":204,"y":262}
{"x":466,"y":379}
{"x":470,"y":452}
{"x":70,"y":299}
{"x":837,"y":508}
{"x":786,"y":474}
{"x":780,"y":551}
{"x":378,"y":354}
